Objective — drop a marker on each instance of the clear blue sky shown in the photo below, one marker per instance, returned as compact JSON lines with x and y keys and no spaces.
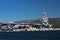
{"x":14,"y":10}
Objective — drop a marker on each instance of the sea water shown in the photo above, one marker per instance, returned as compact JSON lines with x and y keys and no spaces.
{"x":30,"y":35}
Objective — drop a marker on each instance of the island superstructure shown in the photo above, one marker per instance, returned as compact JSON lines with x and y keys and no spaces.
{"x":44,"y":20}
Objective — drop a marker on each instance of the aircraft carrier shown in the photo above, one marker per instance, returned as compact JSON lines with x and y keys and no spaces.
{"x":14,"y":27}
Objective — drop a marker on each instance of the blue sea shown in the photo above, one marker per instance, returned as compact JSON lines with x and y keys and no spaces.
{"x":32,"y":35}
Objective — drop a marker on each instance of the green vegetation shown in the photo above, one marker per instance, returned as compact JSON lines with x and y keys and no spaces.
{"x":56,"y":26}
{"x":55,"y":22}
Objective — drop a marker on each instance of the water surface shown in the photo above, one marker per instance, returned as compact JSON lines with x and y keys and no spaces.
{"x":35,"y":35}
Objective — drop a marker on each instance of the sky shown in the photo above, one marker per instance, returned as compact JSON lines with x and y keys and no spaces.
{"x":15,"y":10}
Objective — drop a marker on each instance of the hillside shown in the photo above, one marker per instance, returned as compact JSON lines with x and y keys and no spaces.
{"x":54,"y":21}
{"x":28,"y":21}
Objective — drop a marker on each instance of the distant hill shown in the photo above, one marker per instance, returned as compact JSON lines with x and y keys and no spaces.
{"x":28,"y":21}
{"x":54,"y":21}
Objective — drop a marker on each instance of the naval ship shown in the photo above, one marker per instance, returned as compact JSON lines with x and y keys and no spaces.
{"x":15,"y":27}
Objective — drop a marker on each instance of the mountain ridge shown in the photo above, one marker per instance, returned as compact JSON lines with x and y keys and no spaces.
{"x":53,"y":21}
